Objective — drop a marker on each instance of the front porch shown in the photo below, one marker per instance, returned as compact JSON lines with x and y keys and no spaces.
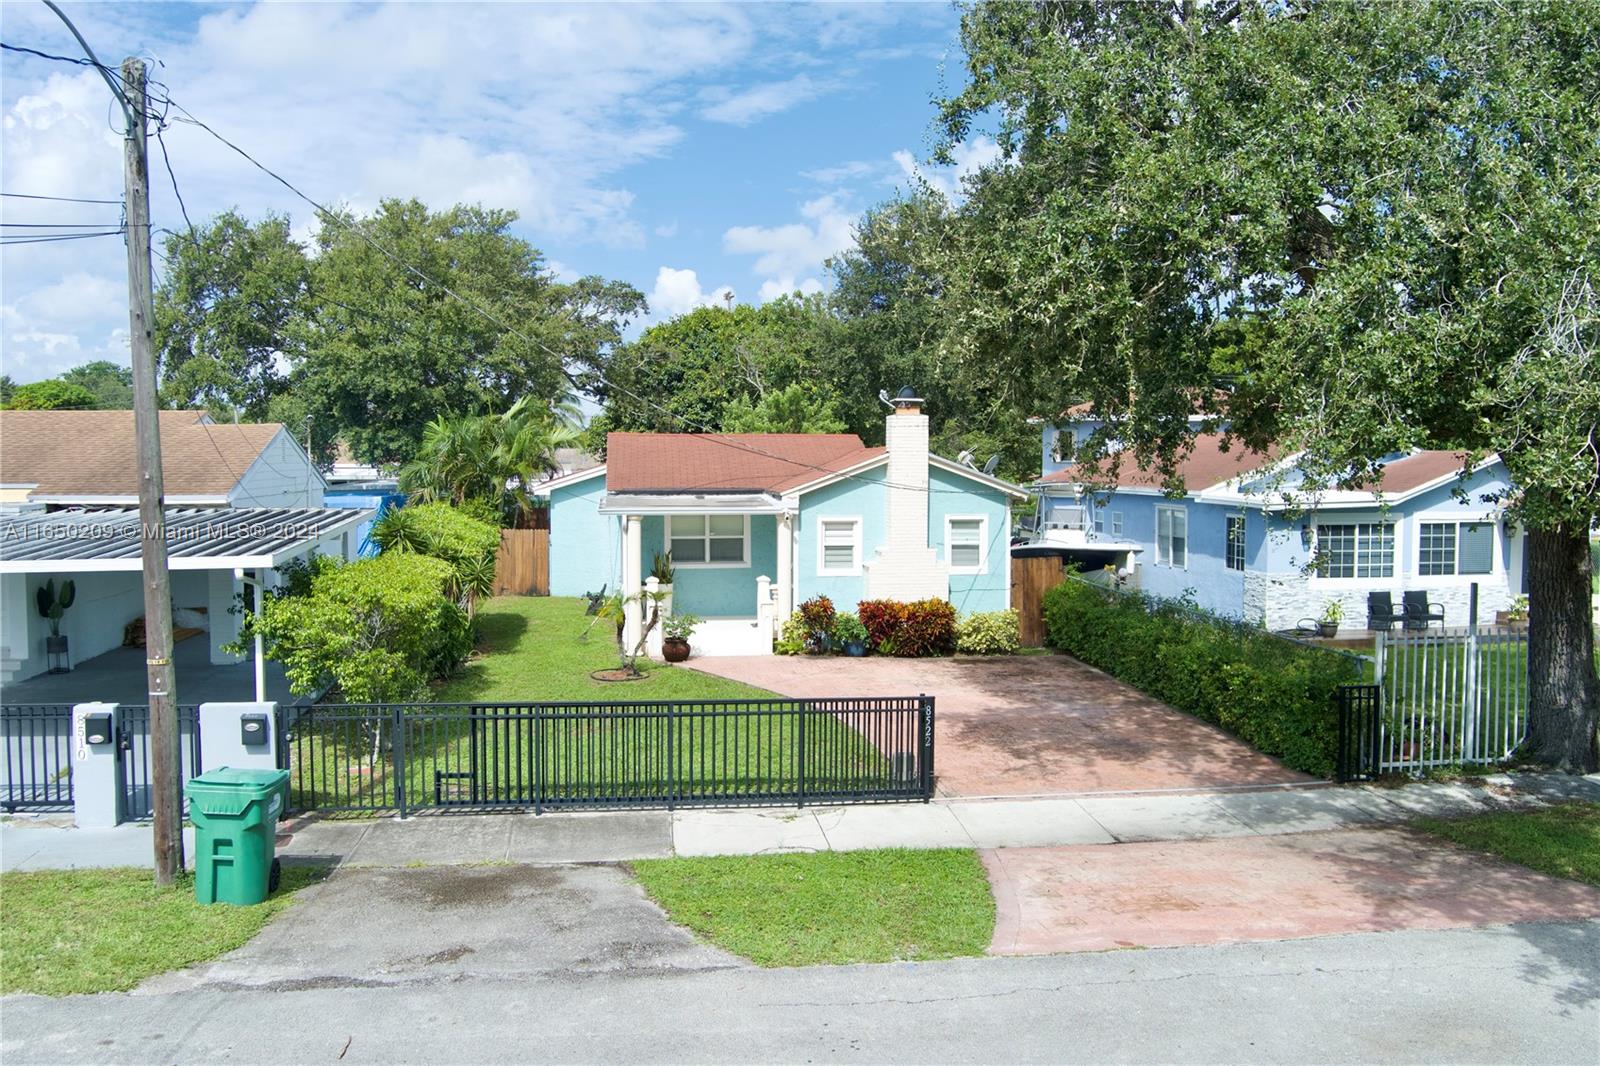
{"x":732,"y":558}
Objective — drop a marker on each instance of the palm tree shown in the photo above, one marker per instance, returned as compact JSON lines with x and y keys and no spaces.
{"x":494,"y":457}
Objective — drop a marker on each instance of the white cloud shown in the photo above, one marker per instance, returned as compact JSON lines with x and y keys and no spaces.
{"x":757,"y":102}
{"x":679,"y":291}
{"x":795,"y":249}
{"x":853,"y":170}
{"x":773,"y":288}
{"x":970,"y":157}
{"x":666,"y":229}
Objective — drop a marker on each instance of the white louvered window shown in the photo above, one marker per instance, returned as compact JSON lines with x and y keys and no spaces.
{"x":966,"y":544}
{"x":839,"y":547}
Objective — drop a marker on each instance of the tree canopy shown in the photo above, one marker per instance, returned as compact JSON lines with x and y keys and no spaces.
{"x":361,"y":338}
{"x":1376,"y":226}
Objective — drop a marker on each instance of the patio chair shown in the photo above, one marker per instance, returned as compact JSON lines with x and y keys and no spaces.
{"x":1381,"y":614}
{"x":1419,"y":612}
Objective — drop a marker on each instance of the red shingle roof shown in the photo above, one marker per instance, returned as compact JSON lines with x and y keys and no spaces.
{"x":94,"y":453}
{"x":1205,"y":466}
{"x":1208,"y":465}
{"x":727,"y":462}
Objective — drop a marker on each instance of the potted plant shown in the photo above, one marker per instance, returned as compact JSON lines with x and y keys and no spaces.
{"x":52,"y":603}
{"x":1515,"y":615}
{"x":662,"y":570}
{"x":1328,"y":624}
{"x":675,"y":643}
{"x":850,"y":634}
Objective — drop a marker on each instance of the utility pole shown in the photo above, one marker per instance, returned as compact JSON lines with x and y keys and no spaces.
{"x":165,"y":757}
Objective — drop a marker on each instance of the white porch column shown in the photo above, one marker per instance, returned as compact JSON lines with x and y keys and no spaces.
{"x":632,"y":583}
{"x":221,"y":623}
{"x":785,"y":567}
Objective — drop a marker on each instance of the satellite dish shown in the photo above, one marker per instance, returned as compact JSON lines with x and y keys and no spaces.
{"x":994,"y":461}
{"x":966,"y":457}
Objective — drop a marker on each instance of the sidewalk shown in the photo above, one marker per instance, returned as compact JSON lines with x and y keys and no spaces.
{"x":443,"y":839}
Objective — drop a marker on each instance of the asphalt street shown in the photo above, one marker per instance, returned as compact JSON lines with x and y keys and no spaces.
{"x":1528,"y":993}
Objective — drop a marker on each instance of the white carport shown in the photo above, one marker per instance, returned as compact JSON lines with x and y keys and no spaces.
{"x":219,"y":551}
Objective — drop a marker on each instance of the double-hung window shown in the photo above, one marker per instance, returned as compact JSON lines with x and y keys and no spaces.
{"x":1235,"y":544}
{"x":1116,"y":523}
{"x":1099,"y":521}
{"x":966,"y":544}
{"x":1172,"y":537}
{"x":1355,"y":549}
{"x":839,"y":547}
{"x":709,"y":540}
{"x":1447,"y":548}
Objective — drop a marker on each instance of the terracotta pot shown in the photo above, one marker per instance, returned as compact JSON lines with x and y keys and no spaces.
{"x":674,"y":649}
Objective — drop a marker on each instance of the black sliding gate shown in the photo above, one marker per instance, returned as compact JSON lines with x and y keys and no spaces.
{"x":548,"y":756}
{"x":36,"y":757}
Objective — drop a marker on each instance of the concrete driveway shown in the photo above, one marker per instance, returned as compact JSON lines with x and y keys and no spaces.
{"x":1030,"y":725}
{"x":377,"y":927}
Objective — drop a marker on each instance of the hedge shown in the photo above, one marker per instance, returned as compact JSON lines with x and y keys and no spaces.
{"x":1273,"y":694}
{"x":378,"y":628}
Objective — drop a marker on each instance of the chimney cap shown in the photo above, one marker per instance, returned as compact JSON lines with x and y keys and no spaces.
{"x":907,"y":397}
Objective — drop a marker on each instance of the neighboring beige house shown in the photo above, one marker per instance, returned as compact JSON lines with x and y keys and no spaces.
{"x":89,"y":459}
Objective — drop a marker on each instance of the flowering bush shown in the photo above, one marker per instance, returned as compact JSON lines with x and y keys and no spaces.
{"x":988,"y":633}
{"x":882,"y":619}
{"x":929,"y":629}
{"x":792,"y":638}
{"x":909,"y":630}
{"x":819,"y":616}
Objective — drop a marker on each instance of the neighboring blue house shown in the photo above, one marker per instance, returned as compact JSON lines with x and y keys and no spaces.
{"x":758,"y":523}
{"x":1241,"y":543}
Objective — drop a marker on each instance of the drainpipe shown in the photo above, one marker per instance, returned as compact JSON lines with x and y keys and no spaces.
{"x":261,"y":662}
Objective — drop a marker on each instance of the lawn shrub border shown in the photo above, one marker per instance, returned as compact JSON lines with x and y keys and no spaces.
{"x":1273,"y":694}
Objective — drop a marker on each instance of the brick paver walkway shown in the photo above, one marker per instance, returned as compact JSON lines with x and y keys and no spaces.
{"x":1030,"y":725}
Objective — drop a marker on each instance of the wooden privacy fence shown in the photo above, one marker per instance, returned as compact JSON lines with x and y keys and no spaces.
{"x":1031,"y":578}
{"x":522,"y":565}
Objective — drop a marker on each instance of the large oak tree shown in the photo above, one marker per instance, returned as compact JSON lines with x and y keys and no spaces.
{"x":1400,"y":202}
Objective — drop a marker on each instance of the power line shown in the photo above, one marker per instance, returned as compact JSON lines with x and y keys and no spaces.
{"x":167,"y":159}
{"x":57,"y":199}
{"x":9,"y":241}
{"x":59,"y":225}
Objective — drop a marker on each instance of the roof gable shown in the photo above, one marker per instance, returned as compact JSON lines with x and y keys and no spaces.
{"x":84,"y":454}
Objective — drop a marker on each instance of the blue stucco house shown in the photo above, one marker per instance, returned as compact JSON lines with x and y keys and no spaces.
{"x":758,"y":523}
{"x":1244,"y":541}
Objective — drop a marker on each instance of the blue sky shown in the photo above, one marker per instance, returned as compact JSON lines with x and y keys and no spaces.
{"x":683,"y":148}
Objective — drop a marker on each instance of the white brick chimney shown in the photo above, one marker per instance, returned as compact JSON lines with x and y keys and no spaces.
{"x":905,"y":567}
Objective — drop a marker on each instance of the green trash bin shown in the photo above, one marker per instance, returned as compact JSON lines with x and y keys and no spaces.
{"x":235,"y":815}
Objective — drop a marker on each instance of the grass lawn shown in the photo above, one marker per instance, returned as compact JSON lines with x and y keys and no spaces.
{"x":539,"y":649}
{"x":1563,"y":841}
{"x":76,"y":931}
{"x":830,"y":907}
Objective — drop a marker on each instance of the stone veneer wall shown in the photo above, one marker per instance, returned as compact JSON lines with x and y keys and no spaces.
{"x":1283,"y":600}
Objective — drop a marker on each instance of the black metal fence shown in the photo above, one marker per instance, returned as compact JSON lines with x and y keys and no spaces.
{"x":544,"y":756}
{"x":134,"y":742}
{"x":36,"y":756}
{"x":1360,"y":732}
